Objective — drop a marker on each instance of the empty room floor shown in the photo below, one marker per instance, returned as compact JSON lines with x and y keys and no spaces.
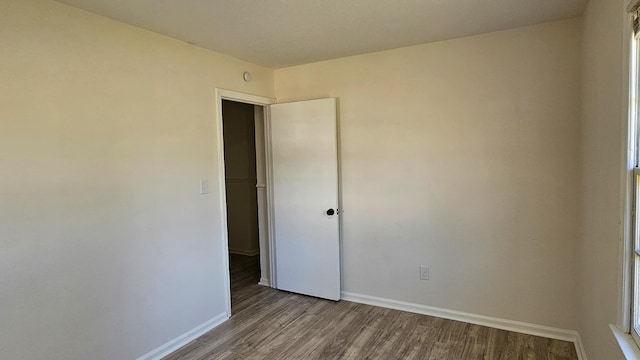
{"x":271,"y":324}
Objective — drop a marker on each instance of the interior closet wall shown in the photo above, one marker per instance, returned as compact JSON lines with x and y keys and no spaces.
{"x":240,"y":177}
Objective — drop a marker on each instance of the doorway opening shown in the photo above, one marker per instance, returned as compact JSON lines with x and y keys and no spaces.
{"x":245,"y":191}
{"x":265,"y":239}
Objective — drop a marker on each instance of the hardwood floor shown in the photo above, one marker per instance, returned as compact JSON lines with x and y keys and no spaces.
{"x":271,"y":324}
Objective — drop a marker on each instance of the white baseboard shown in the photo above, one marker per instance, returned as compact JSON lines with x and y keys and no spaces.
{"x":182,"y":340}
{"x":498,"y":323}
{"x":264,"y":282}
{"x":245,"y":253}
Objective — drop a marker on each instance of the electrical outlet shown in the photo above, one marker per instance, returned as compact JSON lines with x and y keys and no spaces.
{"x":424,"y":272}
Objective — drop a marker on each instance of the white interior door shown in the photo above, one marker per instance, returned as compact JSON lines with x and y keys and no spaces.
{"x":304,"y":156}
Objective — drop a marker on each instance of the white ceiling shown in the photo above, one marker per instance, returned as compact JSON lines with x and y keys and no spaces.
{"x":279,"y":33}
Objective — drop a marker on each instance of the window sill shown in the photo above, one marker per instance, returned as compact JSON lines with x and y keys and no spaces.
{"x":626,"y":343}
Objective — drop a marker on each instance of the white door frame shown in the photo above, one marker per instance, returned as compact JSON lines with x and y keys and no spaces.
{"x":222,"y":94}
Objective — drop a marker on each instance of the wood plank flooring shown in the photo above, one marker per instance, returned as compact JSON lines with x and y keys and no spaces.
{"x":271,"y":324}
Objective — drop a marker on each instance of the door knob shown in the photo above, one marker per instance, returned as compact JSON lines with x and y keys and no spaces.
{"x":330,"y":212}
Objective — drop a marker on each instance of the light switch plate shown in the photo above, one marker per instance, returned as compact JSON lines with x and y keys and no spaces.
{"x":204,"y":186}
{"x":424,"y":272}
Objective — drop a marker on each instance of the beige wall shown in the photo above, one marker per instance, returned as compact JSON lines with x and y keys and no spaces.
{"x":603,"y":119}
{"x":108,"y":250}
{"x":464,"y":156}
{"x":240,"y":173}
